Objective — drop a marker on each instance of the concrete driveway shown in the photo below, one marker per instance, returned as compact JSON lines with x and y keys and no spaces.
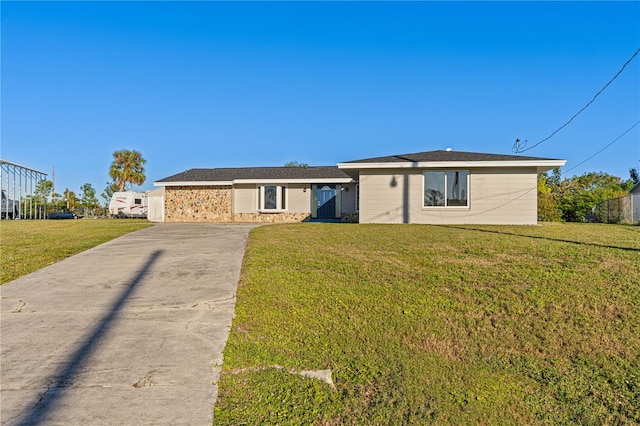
{"x":129,"y":332}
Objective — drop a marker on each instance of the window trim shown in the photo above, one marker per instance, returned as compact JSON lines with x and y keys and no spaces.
{"x":446,"y":187}
{"x":280,"y":191}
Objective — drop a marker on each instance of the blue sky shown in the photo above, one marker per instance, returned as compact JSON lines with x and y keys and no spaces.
{"x":238,"y":84}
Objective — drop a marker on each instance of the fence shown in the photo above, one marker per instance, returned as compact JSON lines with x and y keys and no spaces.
{"x":617,"y":210}
{"x":18,"y":184}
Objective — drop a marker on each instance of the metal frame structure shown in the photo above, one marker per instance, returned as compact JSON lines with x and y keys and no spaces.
{"x":19,"y":183}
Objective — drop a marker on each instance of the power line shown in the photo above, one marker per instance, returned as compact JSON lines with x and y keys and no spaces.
{"x":605,"y":147}
{"x":521,"y":147}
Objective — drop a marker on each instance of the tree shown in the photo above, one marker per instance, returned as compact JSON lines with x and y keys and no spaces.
{"x":633,"y":174}
{"x":108,"y":192}
{"x":572,"y":199}
{"x":579,"y":194}
{"x":548,"y":210}
{"x":295,"y":164}
{"x":89,"y":199}
{"x":57,"y":202}
{"x":43,"y":190}
{"x":127,"y":167}
{"x":555,"y":179}
{"x":71,"y":199}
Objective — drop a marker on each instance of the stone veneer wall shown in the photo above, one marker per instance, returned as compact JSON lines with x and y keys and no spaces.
{"x":271,"y":217}
{"x":214,"y":204}
{"x":350,"y":217}
{"x":197,"y":204}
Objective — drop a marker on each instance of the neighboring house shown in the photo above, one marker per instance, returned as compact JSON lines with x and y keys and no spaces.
{"x":636,"y":189}
{"x":438,"y":187}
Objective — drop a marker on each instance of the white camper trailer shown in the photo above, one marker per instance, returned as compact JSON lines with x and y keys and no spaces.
{"x":128,"y":204}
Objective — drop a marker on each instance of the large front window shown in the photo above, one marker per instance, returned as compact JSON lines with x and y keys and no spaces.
{"x":446,"y":189}
{"x":272,"y":198}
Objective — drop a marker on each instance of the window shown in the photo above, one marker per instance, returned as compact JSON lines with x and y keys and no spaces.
{"x":446,"y":189}
{"x":272,"y":198}
{"x":137,"y":201}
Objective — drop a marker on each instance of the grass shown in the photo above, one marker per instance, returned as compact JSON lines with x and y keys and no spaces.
{"x":436,"y":325}
{"x":28,"y":245}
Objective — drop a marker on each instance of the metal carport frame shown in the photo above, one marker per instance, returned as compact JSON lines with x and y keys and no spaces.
{"x":19,"y":183}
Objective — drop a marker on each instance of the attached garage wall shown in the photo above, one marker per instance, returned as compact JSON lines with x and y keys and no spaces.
{"x":198,"y":204}
{"x":496,"y":196}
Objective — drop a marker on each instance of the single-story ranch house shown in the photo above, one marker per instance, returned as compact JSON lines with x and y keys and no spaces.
{"x":435,"y":187}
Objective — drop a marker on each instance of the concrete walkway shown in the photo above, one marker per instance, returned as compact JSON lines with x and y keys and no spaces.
{"x":129,"y":332}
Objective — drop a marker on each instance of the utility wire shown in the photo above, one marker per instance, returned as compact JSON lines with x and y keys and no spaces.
{"x":605,"y":147}
{"x":584,"y":107}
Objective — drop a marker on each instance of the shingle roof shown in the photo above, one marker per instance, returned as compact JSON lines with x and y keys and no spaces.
{"x":256,"y":173}
{"x":441,"y":155}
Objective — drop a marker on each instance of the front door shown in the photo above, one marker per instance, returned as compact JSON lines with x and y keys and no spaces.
{"x":326,"y":201}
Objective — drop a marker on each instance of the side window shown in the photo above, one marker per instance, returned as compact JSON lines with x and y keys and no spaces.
{"x":446,"y":189}
{"x":457,"y":188}
{"x":272,"y":197}
{"x":434,"y":189}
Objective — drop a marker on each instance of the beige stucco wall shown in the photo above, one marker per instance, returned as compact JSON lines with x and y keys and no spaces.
{"x":245,"y":198}
{"x":349,"y":199}
{"x":496,"y":196}
{"x":299,"y":198}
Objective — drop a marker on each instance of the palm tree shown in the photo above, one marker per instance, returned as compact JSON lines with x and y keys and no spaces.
{"x":127,"y":167}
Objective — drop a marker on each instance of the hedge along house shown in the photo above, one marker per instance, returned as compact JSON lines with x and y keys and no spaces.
{"x":260,"y":194}
{"x":449,"y":187}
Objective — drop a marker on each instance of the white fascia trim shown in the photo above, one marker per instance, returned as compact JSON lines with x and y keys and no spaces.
{"x":454,"y":164}
{"x":286,"y":181}
{"x":197,"y":183}
{"x":255,"y":181}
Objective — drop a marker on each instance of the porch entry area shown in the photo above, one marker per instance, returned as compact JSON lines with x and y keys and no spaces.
{"x":326,"y":201}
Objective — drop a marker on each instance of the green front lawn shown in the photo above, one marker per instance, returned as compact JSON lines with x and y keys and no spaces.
{"x":436,"y":324}
{"x":28,"y":245}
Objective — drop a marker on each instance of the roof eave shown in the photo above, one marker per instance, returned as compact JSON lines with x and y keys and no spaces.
{"x":539,"y":164}
{"x":194,"y":183}
{"x":301,"y":180}
{"x":255,"y":181}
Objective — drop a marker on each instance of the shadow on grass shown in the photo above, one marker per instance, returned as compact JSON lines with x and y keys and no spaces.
{"x":539,"y":237}
{"x":56,"y":390}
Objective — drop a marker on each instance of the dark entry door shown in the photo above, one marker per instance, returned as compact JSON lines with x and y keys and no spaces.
{"x":326,"y":201}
